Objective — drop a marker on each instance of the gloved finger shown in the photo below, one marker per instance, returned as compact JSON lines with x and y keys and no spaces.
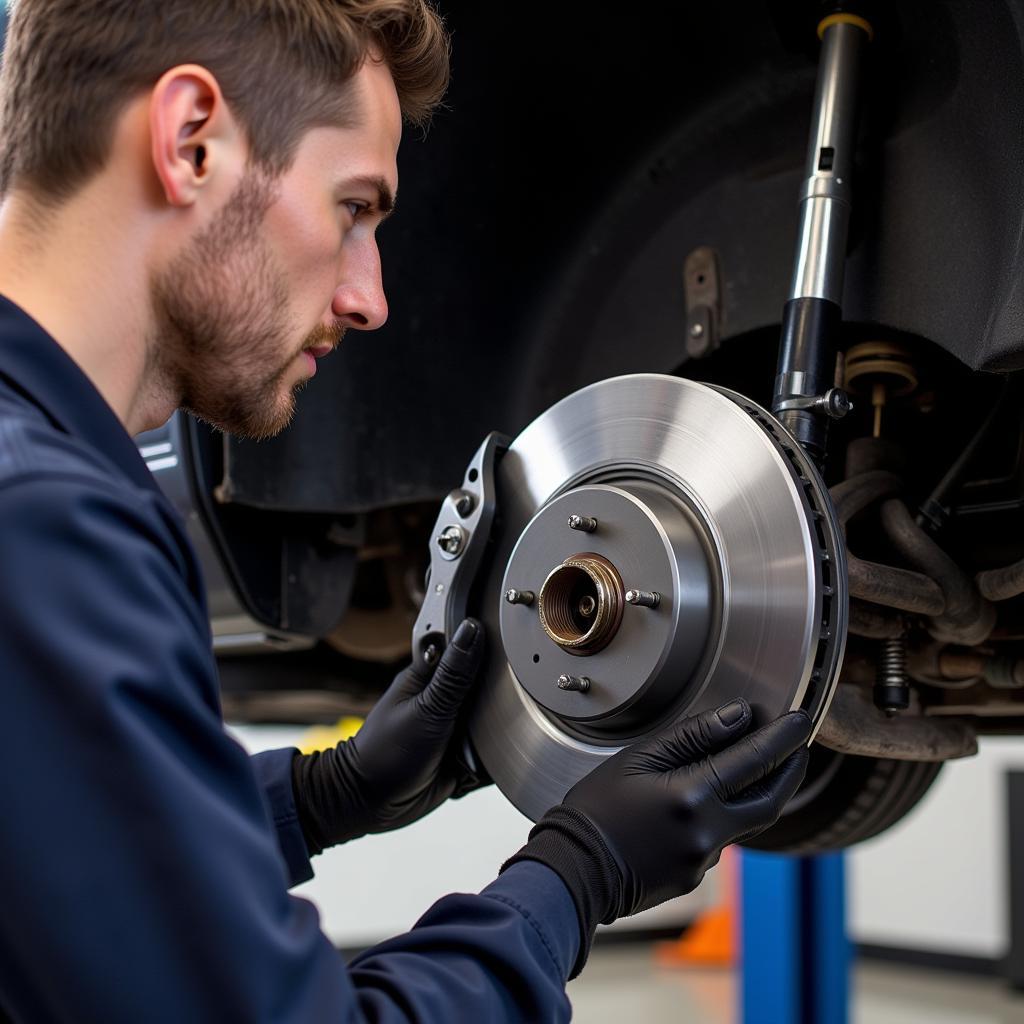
{"x":758,"y":754}
{"x":692,"y":739}
{"x":760,"y":806}
{"x":456,"y":672}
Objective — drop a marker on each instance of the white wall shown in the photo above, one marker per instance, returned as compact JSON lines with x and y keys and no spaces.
{"x":938,"y":881}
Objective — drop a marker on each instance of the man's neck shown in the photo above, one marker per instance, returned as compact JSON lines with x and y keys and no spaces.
{"x":74,"y":271}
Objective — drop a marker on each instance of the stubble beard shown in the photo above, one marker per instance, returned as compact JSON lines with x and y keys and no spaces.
{"x":221,"y":316}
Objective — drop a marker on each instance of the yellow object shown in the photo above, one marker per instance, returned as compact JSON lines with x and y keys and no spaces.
{"x":845,"y":19}
{"x":323,"y":737}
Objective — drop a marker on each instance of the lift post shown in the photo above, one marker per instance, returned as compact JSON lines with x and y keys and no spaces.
{"x":795,"y":953}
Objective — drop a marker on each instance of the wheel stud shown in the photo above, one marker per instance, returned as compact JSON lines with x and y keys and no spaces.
{"x":578,"y":684}
{"x":643,"y":598}
{"x":585,"y":524}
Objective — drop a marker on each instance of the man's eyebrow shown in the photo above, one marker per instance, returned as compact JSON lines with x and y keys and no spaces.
{"x":385,"y":197}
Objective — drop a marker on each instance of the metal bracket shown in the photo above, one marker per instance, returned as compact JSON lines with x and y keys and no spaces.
{"x":835,"y":404}
{"x":460,"y":535}
{"x":703,"y":302}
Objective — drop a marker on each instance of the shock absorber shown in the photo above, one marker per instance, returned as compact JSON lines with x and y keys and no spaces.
{"x":806,"y":396}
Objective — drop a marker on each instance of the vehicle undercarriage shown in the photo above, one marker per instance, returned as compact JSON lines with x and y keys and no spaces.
{"x":606,"y":197}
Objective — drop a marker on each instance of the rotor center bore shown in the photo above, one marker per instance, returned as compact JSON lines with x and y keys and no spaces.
{"x":580,"y":604}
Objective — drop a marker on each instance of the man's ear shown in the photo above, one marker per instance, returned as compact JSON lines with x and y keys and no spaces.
{"x":190,"y":129}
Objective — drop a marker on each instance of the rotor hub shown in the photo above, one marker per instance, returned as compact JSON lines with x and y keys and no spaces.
{"x":638,"y":659}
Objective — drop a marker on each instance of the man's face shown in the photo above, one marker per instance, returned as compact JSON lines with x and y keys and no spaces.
{"x":282,"y":270}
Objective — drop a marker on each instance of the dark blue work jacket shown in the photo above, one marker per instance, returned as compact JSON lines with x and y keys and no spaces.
{"x":145,"y":859}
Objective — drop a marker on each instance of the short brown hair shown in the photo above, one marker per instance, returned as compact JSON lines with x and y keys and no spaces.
{"x":70,"y":66}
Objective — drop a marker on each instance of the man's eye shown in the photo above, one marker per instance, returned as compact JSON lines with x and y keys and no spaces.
{"x":354,"y":208}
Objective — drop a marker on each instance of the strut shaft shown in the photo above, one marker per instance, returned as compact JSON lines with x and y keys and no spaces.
{"x":811,"y":318}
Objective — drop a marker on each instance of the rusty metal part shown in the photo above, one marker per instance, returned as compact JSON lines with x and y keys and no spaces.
{"x":960,"y":668}
{"x":882,"y":584}
{"x":894,"y":588}
{"x":875,"y":622}
{"x":923,"y":666}
{"x":586,"y":575}
{"x":1002,"y":672}
{"x":855,"y":726}
{"x":703,"y":296}
{"x":980,"y":700}
{"x":967,"y":617}
{"x":1002,"y":584}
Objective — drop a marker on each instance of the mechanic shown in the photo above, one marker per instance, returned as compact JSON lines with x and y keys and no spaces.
{"x":190,"y":198}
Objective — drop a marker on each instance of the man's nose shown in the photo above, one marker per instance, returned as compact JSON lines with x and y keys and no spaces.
{"x":359,"y":300}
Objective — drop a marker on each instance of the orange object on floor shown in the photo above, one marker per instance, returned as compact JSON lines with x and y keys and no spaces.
{"x":713,"y":939}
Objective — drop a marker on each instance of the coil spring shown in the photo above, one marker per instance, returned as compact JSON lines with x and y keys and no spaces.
{"x":893,"y":669}
{"x":892,"y":693}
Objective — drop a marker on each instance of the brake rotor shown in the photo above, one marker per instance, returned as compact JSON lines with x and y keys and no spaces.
{"x":668,"y":547}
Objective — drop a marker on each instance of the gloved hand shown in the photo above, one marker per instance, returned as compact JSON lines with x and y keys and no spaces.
{"x":403,"y":762}
{"x":646,"y":824}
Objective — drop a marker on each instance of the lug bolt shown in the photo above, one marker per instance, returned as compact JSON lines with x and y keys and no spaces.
{"x":835,"y":403}
{"x":643,"y":598}
{"x":451,"y":540}
{"x":514,"y":596}
{"x":430,"y":656}
{"x":578,"y":684}
{"x":586,"y":524}
{"x":464,"y":504}
{"x":587,"y":606}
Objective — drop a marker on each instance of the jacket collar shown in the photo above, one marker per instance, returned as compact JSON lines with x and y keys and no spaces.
{"x":35,"y":365}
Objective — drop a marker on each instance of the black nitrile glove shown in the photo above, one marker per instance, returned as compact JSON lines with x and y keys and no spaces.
{"x":403,"y":762}
{"x":646,"y":824}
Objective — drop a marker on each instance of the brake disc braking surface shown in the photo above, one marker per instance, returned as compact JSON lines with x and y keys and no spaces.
{"x":646,"y":549}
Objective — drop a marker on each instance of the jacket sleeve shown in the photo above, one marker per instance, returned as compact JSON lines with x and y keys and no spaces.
{"x":143,"y":879}
{"x":273,"y":771}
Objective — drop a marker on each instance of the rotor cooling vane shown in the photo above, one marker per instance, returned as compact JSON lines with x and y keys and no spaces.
{"x":661,"y":547}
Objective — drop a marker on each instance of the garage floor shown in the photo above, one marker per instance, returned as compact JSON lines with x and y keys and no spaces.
{"x":622,"y":983}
